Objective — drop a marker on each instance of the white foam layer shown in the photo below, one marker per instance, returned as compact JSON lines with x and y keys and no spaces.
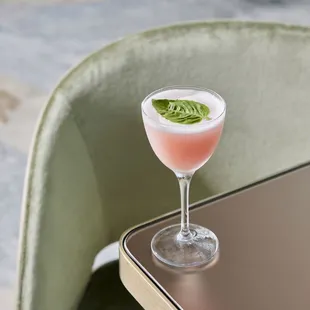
{"x":214,"y":103}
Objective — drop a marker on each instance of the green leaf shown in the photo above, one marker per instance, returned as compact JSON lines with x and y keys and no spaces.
{"x":181,"y":111}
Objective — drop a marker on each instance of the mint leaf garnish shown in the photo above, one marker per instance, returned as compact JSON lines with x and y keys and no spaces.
{"x":181,"y":111}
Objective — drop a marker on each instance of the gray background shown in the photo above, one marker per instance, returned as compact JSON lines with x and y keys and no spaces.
{"x":41,"y":40}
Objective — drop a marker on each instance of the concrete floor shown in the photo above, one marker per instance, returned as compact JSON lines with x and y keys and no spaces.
{"x":41,"y":40}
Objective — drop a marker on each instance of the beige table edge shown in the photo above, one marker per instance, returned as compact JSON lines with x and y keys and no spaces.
{"x":137,"y":282}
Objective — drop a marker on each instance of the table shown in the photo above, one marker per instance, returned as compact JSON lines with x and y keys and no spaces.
{"x":264,"y":258}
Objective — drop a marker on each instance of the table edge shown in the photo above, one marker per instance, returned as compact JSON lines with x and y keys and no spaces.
{"x":140,"y":286}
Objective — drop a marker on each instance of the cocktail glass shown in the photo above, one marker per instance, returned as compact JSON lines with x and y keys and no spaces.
{"x":184,"y":149}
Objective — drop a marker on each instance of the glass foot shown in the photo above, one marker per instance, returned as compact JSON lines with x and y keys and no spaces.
{"x":198,"y":250}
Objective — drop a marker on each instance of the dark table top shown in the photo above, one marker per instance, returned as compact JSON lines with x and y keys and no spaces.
{"x":264,"y":260}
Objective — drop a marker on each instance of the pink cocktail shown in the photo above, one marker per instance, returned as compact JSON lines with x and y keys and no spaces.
{"x":184,"y":148}
{"x":184,"y":151}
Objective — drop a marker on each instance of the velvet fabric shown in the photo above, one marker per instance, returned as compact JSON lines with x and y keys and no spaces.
{"x":92,"y":173}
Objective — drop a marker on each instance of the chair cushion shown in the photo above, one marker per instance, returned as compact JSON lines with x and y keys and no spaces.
{"x":92,"y":173}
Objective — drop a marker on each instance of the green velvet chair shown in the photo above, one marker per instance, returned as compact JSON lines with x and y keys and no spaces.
{"x":92,"y":173}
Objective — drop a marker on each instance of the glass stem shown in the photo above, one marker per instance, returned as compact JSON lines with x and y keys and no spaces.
{"x":184,"y":182}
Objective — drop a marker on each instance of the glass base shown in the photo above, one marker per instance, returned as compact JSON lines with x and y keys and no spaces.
{"x":169,"y":247}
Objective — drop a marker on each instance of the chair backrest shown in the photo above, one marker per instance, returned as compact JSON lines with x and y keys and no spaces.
{"x":92,"y":172}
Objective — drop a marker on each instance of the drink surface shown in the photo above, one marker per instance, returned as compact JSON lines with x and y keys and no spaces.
{"x":215,"y":104}
{"x":184,"y":148}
